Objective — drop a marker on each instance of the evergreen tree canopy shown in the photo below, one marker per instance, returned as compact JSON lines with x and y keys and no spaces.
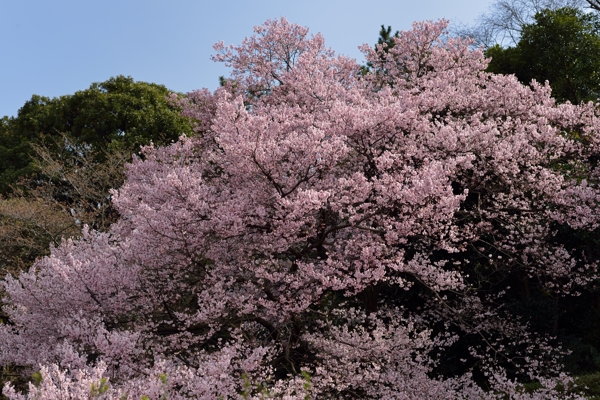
{"x":563,"y":47}
{"x":118,"y":113}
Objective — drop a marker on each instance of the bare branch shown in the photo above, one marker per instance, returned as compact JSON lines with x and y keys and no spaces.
{"x":504,"y":21}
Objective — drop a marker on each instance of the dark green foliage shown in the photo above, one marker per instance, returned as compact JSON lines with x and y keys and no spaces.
{"x":116,"y":114}
{"x":588,"y":385}
{"x":561,"y":46}
{"x":15,"y":158}
{"x":385,"y":38}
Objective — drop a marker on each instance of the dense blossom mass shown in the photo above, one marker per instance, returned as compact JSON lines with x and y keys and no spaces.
{"x":329,"y":232}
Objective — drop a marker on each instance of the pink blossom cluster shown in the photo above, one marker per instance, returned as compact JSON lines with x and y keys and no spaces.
{"x":326,"y":233}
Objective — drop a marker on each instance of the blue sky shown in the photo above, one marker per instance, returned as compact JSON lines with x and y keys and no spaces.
{"x":56,"y":47}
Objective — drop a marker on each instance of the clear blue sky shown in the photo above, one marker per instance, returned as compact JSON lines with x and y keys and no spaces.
{"x":56,"y":47}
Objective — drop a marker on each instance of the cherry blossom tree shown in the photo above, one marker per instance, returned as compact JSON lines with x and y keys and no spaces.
{"x":325,"y":234}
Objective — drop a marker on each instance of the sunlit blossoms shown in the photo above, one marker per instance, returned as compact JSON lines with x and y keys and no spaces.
{"x":328,"y":233}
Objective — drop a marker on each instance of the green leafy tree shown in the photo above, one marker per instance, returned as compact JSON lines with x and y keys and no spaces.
{"x":504,"y":20}
{"x":15,"y":156}
{"x":116,"y":114}
{"x":385,"y":36}
{"x":386,"y":39}
{"x":561,"y":46}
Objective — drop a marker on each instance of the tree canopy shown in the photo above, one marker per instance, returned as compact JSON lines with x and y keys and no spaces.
{"x":117,"y":113}
{"x":561,"y":46}
{"x":327,"y":234}
{"x":504,"y":21}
